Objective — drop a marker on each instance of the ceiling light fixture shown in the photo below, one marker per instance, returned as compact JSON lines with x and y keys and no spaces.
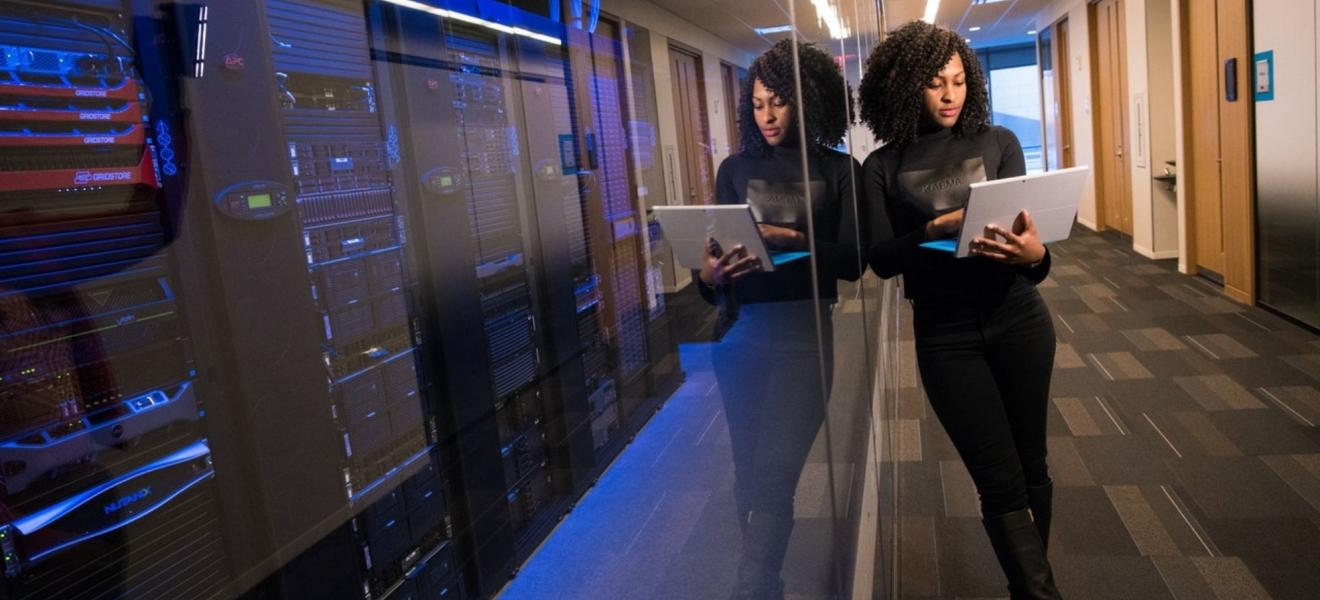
{"x":775,"y":29}
{"x":1032,"y":32}
{"x":932,"y":7}
{"x":974,"y":29}
{"x":458,"y":16}
{"x":829,"y":16}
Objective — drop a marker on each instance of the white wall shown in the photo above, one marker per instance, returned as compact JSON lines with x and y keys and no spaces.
{"x":1079,"y":71}
{"x":1162,"y":54}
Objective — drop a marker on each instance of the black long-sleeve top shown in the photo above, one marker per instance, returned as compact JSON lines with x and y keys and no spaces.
{"x":773,"y":186}
{"x":909,"y":186}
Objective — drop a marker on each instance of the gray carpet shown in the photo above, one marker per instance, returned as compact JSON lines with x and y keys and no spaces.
{"x":1182,"y":438}
{"x":1183,"y":441}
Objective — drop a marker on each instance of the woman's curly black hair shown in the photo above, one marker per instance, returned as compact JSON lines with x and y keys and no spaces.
{"x":824,"y":93}
{"x":900,"y":68}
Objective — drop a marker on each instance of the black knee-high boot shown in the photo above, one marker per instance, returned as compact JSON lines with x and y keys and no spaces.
{"x":1040,"y":498}
{"x":1021,"y":555}
{"x":765,"y":541}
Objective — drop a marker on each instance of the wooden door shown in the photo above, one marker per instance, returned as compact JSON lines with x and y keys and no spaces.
{"x":1237,"y":250}
{"x":1063,"y":95}
{"x":1109,"y":76}
{"x":1203,"y":170}
{"x":697,"y":185}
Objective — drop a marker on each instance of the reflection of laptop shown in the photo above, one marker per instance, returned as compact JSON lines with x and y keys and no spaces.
{"x":1051,"y":199}
{"x":687,"y":228}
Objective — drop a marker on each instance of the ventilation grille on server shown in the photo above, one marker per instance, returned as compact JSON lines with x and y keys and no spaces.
{"x":490,"y":153}
{"x":322,"y":37}
{"x":351,"y":231}
{"x":619,"y":212}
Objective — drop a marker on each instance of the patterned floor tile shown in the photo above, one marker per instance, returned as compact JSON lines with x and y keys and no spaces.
{"x":1154,"y":338}
{"x":1218,"y":392}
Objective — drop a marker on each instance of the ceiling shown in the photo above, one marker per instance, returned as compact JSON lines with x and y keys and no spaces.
{"x":1002,"y":22}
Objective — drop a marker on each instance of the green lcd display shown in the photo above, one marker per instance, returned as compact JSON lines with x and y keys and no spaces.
{"x":258,"y":201}
{"x":446,"y":181}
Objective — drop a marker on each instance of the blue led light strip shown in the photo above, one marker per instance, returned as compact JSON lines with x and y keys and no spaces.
{"x":187,"y":486}
{"x":35,"y":521}
{"x":458,"y":16}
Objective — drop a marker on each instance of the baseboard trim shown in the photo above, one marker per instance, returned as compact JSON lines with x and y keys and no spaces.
{"x":1153,"y":255}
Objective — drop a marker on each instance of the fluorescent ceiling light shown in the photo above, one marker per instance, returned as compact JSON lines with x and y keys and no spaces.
{"x":1032,"y":32}
{"x":775,"y":29}
{"x":974,"y":29}
{"x":457,"y":16}
{"x":932,"y":7}
{"x":826,"y":14}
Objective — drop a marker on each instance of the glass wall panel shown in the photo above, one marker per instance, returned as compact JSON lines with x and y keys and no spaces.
{"x":393,"y":299}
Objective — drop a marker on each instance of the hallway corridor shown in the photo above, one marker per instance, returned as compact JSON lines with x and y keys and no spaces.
{"x":1183,"y":443}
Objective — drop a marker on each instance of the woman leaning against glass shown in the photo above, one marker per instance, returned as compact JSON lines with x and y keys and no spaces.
{"x":772,"y":368}
{"x":984,"y":337}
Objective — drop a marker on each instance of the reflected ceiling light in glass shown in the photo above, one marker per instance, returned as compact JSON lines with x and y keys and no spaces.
{"x":775,"y":29}
{"x":932,"y":7}
{"x":457,"y":16}
{"x":827,"y":15}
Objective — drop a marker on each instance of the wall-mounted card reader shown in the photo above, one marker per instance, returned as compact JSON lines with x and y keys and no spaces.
{"x":1230,"y":80}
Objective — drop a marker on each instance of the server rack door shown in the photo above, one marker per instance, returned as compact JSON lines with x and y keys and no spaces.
{"x":323,"y":417}
{"x":454,"y":150}
{"x":613,"y":221}
{"x":107,"y":475}
{"x":570,"y":283}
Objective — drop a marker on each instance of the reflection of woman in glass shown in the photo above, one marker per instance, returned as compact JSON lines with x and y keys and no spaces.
{"x":984,"y":337}
{"x":769,"y":364}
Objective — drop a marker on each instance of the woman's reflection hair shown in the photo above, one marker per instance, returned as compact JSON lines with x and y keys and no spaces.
{"x":891,"y":90}
{"x":827,"y":98}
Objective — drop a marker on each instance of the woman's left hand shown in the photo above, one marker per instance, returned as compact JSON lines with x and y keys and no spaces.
{"x":782,"y":238}
{"x":1022,"y":246}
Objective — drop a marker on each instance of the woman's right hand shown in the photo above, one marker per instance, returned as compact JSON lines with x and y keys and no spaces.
{"x":721,"y":268}
{"x":945,"y":225}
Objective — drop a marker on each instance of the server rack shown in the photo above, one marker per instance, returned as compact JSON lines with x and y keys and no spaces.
{"x":107,"y":470}
{"x":455,"y":117}
{"x":330,"y":424}
{"x":337,"y":265}
{"x":516,"y":152}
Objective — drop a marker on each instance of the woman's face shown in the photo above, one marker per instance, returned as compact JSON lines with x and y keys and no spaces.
{"x":773,"y":114}
{"x":946,"y":92}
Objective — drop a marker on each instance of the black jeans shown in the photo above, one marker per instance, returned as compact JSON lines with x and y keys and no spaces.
{"x":986,"y":367}
{"x":768,"y":370}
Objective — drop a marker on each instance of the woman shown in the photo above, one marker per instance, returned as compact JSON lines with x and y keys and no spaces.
{"x":771,"y":366}
{"x":984,"y":337}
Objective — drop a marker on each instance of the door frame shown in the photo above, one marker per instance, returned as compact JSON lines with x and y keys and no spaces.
{"x":693,"y":176}
{"x":1060,"y":59}
{"x":1121,"y":167}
